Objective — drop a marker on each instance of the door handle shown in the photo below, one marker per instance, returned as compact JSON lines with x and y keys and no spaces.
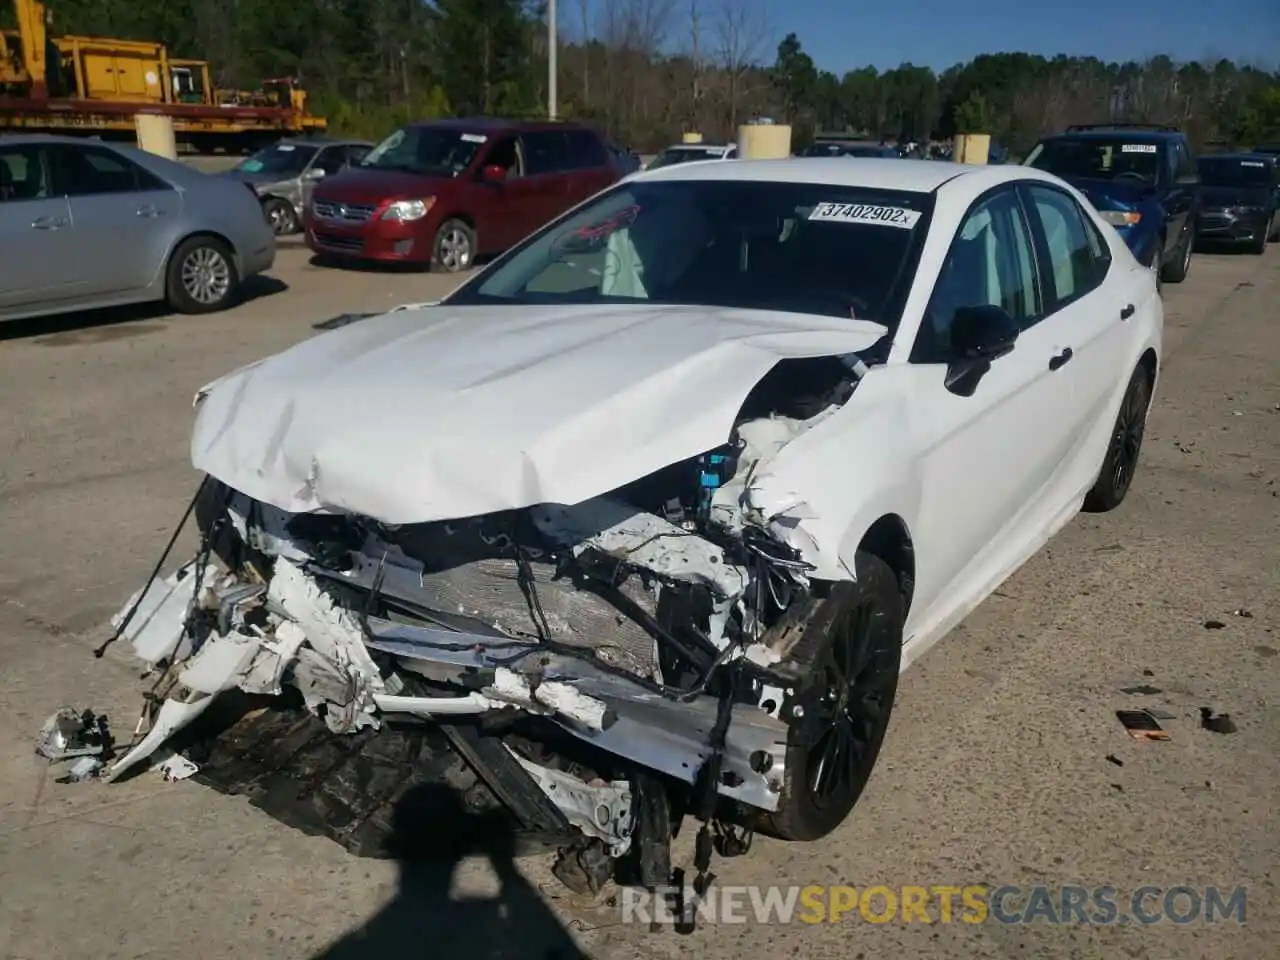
{"x":1128,"y":312}
{"x":48,"y":223}
{"x":1060,"y":359}
{"x":149,"y":211}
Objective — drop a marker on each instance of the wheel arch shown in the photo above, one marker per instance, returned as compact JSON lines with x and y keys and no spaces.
{"x":889,"y":539}
{"x":1150,"y":363}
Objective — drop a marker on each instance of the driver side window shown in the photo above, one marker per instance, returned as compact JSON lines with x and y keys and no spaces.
{"x":990,"y":263}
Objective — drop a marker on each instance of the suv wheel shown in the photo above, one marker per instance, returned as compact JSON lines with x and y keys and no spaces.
{"x":1176,"y":272}
{"x":455,"y":247}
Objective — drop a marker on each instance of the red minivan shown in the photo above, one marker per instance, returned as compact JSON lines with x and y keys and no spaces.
{"x":445,"y":192}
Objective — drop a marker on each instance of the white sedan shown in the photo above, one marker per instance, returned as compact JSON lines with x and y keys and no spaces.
{"x":650,"y":513}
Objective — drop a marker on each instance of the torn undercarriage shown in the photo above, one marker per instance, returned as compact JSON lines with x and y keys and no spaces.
{"x":595,"y":671}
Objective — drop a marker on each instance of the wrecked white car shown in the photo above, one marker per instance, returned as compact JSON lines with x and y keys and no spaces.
{"x":646,"y":518}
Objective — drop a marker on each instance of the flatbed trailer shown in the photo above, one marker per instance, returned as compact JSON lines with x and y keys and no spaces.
{"x":203,"y":128}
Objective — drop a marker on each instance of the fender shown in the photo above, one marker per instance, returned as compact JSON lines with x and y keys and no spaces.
{"x":838,"y":509}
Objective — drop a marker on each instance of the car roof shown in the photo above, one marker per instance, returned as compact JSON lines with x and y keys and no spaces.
{"x":912,"y":176}
{"x":325,"y":141}
{"x":56,"y":138}
{"x":1134,"y":134}
{"x":699,"y":146}
{"x":1241,"y":155}
{"x":498,"y":124}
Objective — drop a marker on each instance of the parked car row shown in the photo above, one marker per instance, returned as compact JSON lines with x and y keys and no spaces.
{"x":441,"y":194}
{"x":1146,"y":182}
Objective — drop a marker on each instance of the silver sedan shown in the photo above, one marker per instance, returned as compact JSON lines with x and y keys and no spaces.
{"x":86,"y":224}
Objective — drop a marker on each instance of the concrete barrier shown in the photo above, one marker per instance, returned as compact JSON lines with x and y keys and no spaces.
{"x":764,"y":141}
{"x":155,"y":134}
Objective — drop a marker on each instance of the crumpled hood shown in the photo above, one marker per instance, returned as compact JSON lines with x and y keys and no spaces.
{"x":443,"y":412}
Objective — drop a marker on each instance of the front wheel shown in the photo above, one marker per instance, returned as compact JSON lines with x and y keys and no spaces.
{"x":853,"y":655}
{"x":201,"y":277}
{"x":455,"y":247}
{"x":281,"y":215}
{"x":1121,"y":461}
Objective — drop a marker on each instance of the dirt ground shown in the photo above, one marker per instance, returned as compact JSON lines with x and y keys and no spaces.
{"x":996,"y":770}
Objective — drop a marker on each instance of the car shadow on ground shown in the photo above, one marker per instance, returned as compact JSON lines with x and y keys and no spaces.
{"x":117,"y":323}
{"x":432,"y":833}
{"x":320,"y":261}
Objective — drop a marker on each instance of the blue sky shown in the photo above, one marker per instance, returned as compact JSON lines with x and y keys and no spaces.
{"x":842,"y":35}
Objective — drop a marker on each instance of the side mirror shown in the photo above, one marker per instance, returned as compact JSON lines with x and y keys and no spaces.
{"x":314,"y":173}
{"x":979,"y":335}
{"x":1188,"y":180}
{"x":493,"y":173}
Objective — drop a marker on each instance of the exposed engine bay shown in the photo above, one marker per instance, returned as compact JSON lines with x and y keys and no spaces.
{"x":601,"y":666}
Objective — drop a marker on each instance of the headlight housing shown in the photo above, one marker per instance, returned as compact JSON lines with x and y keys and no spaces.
{"x":1121,"y":218}
{"x":407,"y":211}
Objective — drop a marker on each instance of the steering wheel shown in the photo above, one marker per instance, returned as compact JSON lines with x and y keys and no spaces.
{"x":1131,"y":175}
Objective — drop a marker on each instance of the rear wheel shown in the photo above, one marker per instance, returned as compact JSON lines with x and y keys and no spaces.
{"x":201,"y":277}
{"x":854,"y":654}
{"x":1176,"y":271}
{"x":1121,"y":461}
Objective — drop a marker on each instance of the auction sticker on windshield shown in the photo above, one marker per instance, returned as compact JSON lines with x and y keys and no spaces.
{"x":474,"y":137}
{"x":1138,"y":148}
{"x":869,"y":213}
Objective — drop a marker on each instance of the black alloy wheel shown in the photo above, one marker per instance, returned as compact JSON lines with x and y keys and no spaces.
{"x":1121,"y":461}
{"x":846,"y":703}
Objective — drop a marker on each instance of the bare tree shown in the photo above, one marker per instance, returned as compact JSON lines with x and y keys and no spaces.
{"x":740,"y":34}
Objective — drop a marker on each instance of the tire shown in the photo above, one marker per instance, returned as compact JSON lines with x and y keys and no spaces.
{"x":201,"y":276}
{"x":454,"y":249}
{"x":1176,"y":272}
{"x":1157,"y":266}
{"x":1124,"y":447}
{"x":1273,"y":231}
{"x":859,"y":622}
{"x":281,"y":215}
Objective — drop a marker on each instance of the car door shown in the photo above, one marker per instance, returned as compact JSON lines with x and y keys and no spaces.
{"x":1095,"y":302}
{"x":590,"y":169}
{"x":500,"y":207}
{"x":546,"y":166}
{"x":122,"y":217}
{"x":989,"y":456}
{"x":35,"y":227}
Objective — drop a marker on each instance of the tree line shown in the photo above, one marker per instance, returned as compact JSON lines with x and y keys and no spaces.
{"x":645,"y":71}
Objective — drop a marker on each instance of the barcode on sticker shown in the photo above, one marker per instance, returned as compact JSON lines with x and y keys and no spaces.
{"x":474,"y":137}
{"x":866,"y":213}
{"x":1138,"y":148}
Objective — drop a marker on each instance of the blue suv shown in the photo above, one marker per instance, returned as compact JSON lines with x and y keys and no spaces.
{"x":1142,"y":178}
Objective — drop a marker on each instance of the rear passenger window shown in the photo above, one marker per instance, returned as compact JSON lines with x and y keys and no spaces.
{"x":92,"y":171}
{"x":545,"y":151}
{"x":585,"y":150}
{"x":22,"y":174}
{"x":1075,"y":265}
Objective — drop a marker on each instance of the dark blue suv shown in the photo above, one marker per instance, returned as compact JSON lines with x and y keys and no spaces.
{"x":1142,"y":179}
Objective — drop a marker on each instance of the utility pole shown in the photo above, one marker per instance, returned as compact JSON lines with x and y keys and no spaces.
{"x":551,"y":59}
